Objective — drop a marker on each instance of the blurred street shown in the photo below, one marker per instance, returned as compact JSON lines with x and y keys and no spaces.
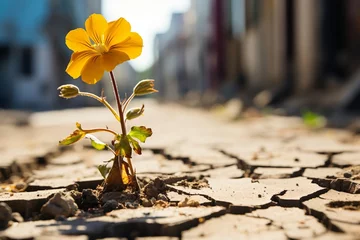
{"x":255,"y":119}
{"x":256,"y":167}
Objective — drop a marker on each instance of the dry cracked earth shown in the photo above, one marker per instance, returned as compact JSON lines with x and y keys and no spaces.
{"x":261,"y":177}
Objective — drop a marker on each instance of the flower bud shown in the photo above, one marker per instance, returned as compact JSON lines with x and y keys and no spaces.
{"x":134,"y":112}
{"x":68,"y":91}
{"x":144,"y":87}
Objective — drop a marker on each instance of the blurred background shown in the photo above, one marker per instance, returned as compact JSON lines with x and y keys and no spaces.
{"x":268,"y":54}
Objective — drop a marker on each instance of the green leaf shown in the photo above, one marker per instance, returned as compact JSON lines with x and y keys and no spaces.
{"x":135,"y":145}
{"x":95,"y":142}
{"x":313,"y":120}
{"x":74,"y":137}
{"x":122,"y":146}
{"x":140,"y":133}
{"x":104,"y":169}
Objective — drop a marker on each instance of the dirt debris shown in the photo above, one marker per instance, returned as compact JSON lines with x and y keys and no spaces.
{"x":89,"y":199}
{"x":110,"y":205}
{"x":195,"y":183}
{"x":154,"y":188}
{"x":60,"y":205}
{"x":346,"y":205}
{"x":188,"y":202}
{"x":5,"y":215}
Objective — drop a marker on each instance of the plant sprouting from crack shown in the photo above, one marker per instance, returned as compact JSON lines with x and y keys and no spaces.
{"x":100,"y":47}
{"x":122,"y":172}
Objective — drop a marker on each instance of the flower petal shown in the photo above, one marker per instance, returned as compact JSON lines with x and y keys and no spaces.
{"x":93,"y":70}
{"x":111,"y":59}
{"x":131,"y":47}
{"x":78,"y":40}
{"x":96,"y":26}
{"x":117,"y":32}
{"x":77,"y":62}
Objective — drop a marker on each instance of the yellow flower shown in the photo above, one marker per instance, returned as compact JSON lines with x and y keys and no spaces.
{"x":101,"y":47}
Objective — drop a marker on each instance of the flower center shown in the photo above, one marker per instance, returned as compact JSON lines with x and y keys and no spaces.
{"x":100,"y":47}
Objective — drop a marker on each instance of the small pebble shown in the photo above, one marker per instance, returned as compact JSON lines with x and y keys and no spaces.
{"x":188,"y":203}
{"x":161,"y":203}
{"x":347,"y":174}
{"x":20,"y":186}
{"x":110,"y":205}
{"x":146,"y":202}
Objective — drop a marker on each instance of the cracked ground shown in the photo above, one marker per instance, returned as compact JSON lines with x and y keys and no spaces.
{"x":261,"y":177}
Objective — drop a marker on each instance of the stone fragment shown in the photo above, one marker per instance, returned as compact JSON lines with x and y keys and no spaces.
{"x":127,"y":223}
{"x":5,"y":215}
{"x":295,"y":223}
{"x":27,"y":203}
{"x":154,"y":188}
{"x":188,"y":202}
{"x":199,"y":155}
{"x":241,"y":195}
{"x":120,"y":197}
{"x":235,"y":227}
{"x":296,"y":189}
{"x":339,"y":211}
{"x":110,"y":205}
{"x":161,"y":165}
{"x":345,"y":180}
{"x":221,"y":172}
{"x":90,"y":199}
{"x":59,"y":205}
{"x":262,"y":172}
{"x":334,"y":236}
{"x":193,"y":182}
{"x":346,"y":159}
{"x":276,"y":157}
{"x":322,"y":144}
{"x":176,"y":197}
{"x":318,"y":173}
{"x":161,"y":204}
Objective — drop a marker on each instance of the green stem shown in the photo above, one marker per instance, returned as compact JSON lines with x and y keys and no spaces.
{"x":100,"y":130}
{"x":128,"y":101}
{"x":108,"y":147}
{"x":103,"y":101}
{"x":121,"y":114}
{"x":117,"y":97}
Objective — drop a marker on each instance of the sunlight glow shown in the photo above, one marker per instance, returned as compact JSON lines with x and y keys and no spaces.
{"x":147,"y":18}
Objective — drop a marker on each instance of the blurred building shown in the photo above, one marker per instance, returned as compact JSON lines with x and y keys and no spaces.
{"x":171,"y":58}
{"x":301,"y":48}
{"x":33,"y":54}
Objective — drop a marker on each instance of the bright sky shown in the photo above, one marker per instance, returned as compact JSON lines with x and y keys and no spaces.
{"x":147,"y":17}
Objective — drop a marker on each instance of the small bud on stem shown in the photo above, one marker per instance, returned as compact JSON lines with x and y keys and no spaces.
{"x":134,"y":112}
{"x":144,"y":87}
{"x":68,"y":91}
